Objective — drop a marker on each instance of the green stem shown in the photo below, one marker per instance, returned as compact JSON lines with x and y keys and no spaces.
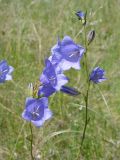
{"x":86,"y":114}
{"x":86,"y":64}
{"x":87,"y":92}
{"x":86,"y":96}
{"x":31,"y":144}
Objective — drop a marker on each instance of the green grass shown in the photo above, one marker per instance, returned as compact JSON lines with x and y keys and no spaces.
{"x":28,"y":30}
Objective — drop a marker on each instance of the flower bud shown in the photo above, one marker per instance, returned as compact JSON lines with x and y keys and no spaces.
{"x":30,"y":89}
{"x":91,"y":36}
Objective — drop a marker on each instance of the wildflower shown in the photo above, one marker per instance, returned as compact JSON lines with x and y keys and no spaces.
{"x":81,"y":16}
{"x":5,"y":71}
{"x":52,"y":79}
{"x":67,"y":54}
{"x":97,"y":75}
{"x":37,"y":111}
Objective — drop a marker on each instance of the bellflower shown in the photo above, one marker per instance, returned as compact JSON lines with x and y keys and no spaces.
{"x":81,"y":16}
{"x":97,"y":75}
{"x":67,"y":54}
{"x":5,"y":71}
{"x":52,"y":79}
{"x":37,"y":111}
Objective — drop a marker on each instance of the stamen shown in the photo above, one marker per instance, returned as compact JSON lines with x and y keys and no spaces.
{"x":35,"y":113}
{"x":74,"y":54}
{"x":52,"y":78}
{"x":5,"y":70}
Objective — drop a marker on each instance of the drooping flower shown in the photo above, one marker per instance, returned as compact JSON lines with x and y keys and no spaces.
{"x":5,"y":71}
{"x":97,"y":75}
{"x":37,"y":111}
{"x":81,"y":16}
{"x":52,"y":79}
{"x":67,"y":54}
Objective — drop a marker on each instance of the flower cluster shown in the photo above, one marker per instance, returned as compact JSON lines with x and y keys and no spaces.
{"x":66,"y":54}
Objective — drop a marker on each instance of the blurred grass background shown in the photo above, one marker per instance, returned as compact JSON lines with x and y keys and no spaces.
{"x":28,"y":30}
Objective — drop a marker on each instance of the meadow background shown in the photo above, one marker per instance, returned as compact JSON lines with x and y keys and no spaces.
{"x":28,"y":30}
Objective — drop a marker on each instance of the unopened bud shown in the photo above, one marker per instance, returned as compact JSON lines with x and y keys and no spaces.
{"x":30,"y":89}
{"x":91,"y":36}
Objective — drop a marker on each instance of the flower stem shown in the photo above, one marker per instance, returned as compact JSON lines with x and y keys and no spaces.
{"x":31,"y":142}
{"x":86,"y":114}
{"x":87,"y":92}
{"x":86,"y":119}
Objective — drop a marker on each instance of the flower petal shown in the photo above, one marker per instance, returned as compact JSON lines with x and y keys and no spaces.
{"x":47,"y":114}
{"x":8,"y":77}
{"x":11,"y":69}
{"x":65,"y":65}
{"x":38,"y":123}
{"x":76,"y":65}
{"x":46,"y":90}
{"x":62,"y":80}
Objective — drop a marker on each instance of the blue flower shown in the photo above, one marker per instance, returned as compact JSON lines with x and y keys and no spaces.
{"x":37,"y":111}
{"x":52,"y":79}
{"x":97,"y":75}
{"x":67,"y":54}
{"x":81,"y":16}
{"x":5,"y":71}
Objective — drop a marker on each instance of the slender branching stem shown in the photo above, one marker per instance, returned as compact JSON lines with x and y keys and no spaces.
{"x":87,"y":91}
{"x":86,"y":114}
{"x":31,"y":142}
{"x":86,"y":95}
